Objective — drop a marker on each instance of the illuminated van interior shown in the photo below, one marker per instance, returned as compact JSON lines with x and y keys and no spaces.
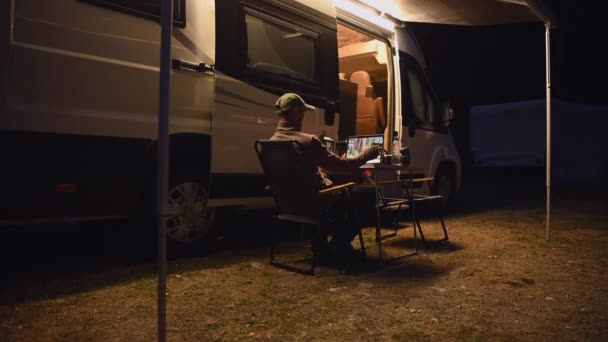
{"x":363,"y":72}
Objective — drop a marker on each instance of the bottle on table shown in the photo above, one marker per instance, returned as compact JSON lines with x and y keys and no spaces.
{"x":396,"y":149}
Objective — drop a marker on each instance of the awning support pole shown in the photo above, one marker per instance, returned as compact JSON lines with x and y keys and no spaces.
{"x":548,"y":157}
{"x":162,"y":185}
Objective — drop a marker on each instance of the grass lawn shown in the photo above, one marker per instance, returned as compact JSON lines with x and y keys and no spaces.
{"x":496,"y":279}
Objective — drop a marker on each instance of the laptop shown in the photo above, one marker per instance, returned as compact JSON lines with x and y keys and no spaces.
{"x":357,"y":144}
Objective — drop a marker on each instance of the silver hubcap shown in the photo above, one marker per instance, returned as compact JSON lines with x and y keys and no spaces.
{"x":189,"y":217}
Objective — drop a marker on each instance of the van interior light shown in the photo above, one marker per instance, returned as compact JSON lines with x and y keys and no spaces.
{"x":384,"y":6}
{"x":292,"y":35}
{"x":516,"y":2}
{"x":364,"y":12}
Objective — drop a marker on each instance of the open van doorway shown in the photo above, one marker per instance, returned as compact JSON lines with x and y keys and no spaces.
{"x":363,"y":73}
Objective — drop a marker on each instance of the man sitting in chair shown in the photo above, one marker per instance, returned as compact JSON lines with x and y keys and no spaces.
{"x":290,"y":108}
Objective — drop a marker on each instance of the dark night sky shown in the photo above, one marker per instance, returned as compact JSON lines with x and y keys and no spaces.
{"x":493,"y":64}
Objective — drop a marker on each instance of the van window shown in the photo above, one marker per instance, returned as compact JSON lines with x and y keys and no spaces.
{"x":430,"y":108}
{"x":417,"y":95}
{"x":280,"y":48}
{"x":420,"y":106}
{"x":146,"y":8}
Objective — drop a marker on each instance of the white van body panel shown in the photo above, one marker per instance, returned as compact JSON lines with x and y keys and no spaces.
{"x":498,"y":137}
{"x":112,"y":83}
{"x":244,"y":114}
{"x":199,"y":34}
{"x":407,"y":44}
{"x":323,"y":6}
{"x":428,"y":148}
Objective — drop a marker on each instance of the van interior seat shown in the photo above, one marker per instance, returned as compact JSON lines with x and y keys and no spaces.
{"x":371,"y":117}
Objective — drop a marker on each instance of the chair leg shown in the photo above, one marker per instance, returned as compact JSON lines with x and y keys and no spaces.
{"x":273,"y":239}
{"x":398,"y":219}
{"x":420,"y":230}
{"x":395,"y":233}
{"x":350,"y":218}
{"x":307,"y":271}
{"x":302,"y":231}
{"x":394,"y":223}
{"x":316,"y":247}
{"x":445,"y":231}
{"x":441,"y":220}
{"x":276,"y":263}
{"x":362,"y":244}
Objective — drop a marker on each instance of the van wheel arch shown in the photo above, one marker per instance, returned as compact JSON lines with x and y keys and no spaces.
{"x":445,"y":181}
{"x":189,"y":173}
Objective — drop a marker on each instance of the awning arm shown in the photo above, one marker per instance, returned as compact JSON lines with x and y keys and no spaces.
{"x":548,"y":130}
{"x":542,"y":12}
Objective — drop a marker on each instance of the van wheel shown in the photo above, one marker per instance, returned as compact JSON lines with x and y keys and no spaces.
{"x":189,"y":218}
{"x":445,"y":184}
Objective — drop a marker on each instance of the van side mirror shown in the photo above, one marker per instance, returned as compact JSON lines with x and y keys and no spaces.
{"x":330,"y":113}
{"x":447,"y":114}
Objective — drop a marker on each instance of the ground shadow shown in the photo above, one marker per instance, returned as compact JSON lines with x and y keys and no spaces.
{"x":431,"y":245}
{"x":50,"y":261}
{"x":404,"y":267}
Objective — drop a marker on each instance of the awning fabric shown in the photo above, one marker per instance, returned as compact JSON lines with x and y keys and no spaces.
{"x":465,"y":12}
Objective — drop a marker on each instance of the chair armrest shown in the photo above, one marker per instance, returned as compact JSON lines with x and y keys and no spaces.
{"x":332,"y":189}
{"x":406,"y":181}
{"x":392,"y":182}
{"x":420,"y":180}
{"x":337,"y":188}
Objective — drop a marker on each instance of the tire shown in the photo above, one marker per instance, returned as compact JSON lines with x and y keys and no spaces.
{"x":190,"y":223}
{"x":189,"y":219}
{"x":445,"y":183}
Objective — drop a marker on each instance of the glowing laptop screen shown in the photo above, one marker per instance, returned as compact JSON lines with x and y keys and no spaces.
{"x":357,"y":144}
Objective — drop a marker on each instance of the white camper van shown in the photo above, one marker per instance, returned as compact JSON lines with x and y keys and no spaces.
{"x":79,"y":108}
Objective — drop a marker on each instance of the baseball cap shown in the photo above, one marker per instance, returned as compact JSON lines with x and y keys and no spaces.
{"x":290,"y":101}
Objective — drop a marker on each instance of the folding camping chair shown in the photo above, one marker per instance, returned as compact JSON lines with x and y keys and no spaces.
{"x":297,"y":201}
{"x":434,"y":199}
{"x":391,"y":200}
{"x":395,"y":195}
